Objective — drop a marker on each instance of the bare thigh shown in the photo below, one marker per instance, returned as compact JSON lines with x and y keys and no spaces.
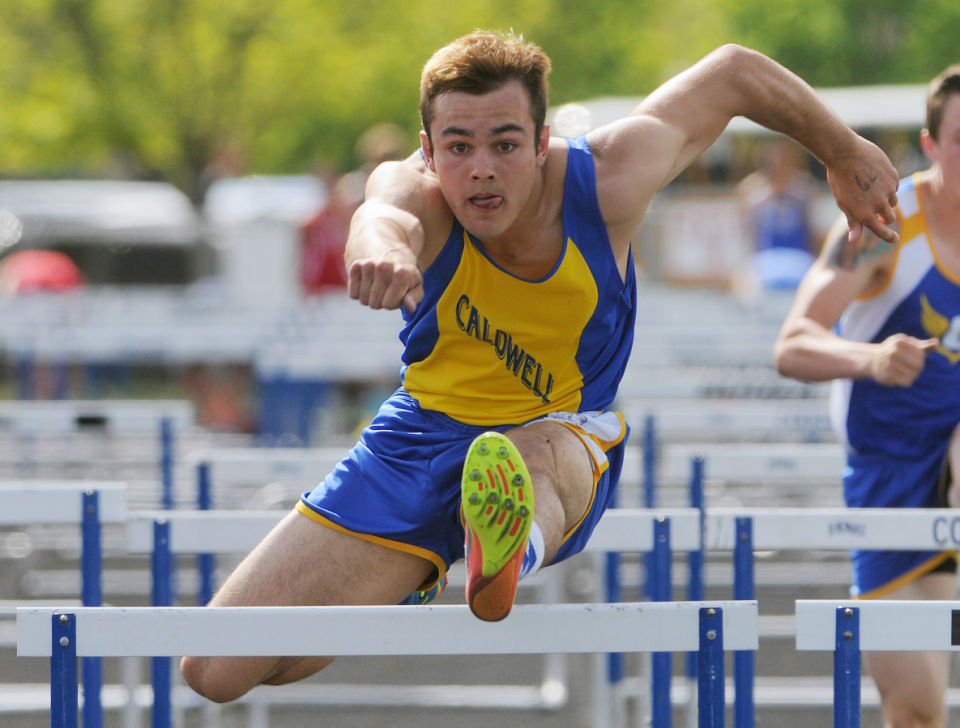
{"x":953,"y":457}
{"x":562,"y":474}
{"x":912,"y":685}
{"x":302,"y":563}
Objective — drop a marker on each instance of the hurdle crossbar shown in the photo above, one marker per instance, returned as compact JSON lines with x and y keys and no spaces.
{"x":620,"y":529}
{"x":888,"y":625}
{"x":903,"y":529}
{"x":379,"y":630}
{"x":117,"y":417}
{"x":55,"y":502}
{"x":64,"y":634}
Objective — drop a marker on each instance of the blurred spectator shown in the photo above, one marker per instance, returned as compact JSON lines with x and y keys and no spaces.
{"x":228,"y":161}
{"x":26,"y":271}
{"x":777,"y":202}
{"x":324,"y":237}
{"x":382,"y":143}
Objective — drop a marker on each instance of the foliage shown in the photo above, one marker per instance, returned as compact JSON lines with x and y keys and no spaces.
{"x":159,"y":90}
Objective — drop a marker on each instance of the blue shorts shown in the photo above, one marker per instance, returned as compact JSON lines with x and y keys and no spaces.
{"x":400,"y":484}
{"x":878,"y":481}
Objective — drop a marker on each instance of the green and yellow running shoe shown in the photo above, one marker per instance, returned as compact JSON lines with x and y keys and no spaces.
{"x":497,"y":495}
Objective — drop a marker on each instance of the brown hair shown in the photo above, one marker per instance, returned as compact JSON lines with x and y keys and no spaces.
{"x":939,"y":90}
{"x":481,"y":62}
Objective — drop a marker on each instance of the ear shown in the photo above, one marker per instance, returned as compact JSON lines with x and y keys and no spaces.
{"x":543,"y":145}
{"x":427,"y":152}
{"x":928,"y":144}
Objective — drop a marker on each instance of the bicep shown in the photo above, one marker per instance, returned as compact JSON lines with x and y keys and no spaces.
{"x":393,"y":206}
{"x":642,"y":153}
{"x":634,"y":158}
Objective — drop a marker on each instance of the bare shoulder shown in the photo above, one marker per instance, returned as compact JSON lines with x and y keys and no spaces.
{"x":410,"y":186}
{"x":631,"y":166}
{"x":407,"y":184}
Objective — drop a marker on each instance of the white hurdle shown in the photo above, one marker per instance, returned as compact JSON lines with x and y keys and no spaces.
{"x":87,"y":505}
{"x":708,"y":628}
{"x":113,"y":417}
{"x":231,"y":532}
{"x":620,"y":529}
{"x":744,"y":530}
{"x":849,"y":627}
{"x":902,"y":529}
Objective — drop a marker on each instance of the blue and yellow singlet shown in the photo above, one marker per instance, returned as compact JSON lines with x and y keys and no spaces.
{"x":486,"y":347}
{"x":922,"y":299}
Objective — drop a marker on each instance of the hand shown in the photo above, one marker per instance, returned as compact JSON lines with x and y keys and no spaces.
{"x":900,"y":359}
{"x":864,"y":184}
{"x":387,"y":282}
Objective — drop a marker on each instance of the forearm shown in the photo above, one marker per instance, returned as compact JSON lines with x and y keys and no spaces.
{"x":861,"y":177}
{"x":815,"y":354}
{"x":733,"y":81}
{"x":771,"y":95}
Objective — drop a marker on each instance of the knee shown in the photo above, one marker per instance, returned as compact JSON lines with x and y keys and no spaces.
{"x":211,"y":679}
{"x":906,"y":711}
{"x":915,"y":716}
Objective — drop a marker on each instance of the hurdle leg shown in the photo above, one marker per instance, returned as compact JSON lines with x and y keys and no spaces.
{"x":743,"y":660}
{"x":64,"y":688}
{"x":711,"y":701}
{"x":166,"y":463}
{"x":162,"y":597}
{"x":846,"y":669}
{"x":661,"y":662}
{"x":206,"y":563}
{"x":555,"y":683}
{"x":602,"y":712}
{"x":131,"y":679}
{"x":695,"y":590}
{"x":91,"y":566}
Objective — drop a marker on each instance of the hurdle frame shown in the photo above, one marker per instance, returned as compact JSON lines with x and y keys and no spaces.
{"x":63,"y":635}
{"x":849,"y":627}
{"x":164,"y":534}
{"x":88,"y":504}
{"x":745,"y":530}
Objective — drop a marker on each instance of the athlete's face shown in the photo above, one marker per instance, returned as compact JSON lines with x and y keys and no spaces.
{"x":486,"y":156}
{"x":945,"y":151}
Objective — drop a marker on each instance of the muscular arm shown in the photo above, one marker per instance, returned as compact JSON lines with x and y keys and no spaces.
{"x":388,"y":238}
{"x":808,"y":349}
{"x":639,"y":155}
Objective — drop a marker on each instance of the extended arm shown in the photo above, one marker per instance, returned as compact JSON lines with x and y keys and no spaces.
{"x":386,"y":240}
{"x":808,"y":349}
{"x":640,"y":154}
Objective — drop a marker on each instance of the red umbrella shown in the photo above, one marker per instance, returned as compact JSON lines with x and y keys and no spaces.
{"x":38,"y":270}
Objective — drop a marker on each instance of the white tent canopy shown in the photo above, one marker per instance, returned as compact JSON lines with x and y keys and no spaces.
{"x":894,"y":106}
{"x":100,"y":211}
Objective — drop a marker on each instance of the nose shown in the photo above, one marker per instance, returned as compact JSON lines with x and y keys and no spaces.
{"x":482,"y":167}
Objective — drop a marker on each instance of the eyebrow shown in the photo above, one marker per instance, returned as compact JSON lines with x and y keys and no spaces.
{"x":495,"y":131}
{"x":456,"y":131}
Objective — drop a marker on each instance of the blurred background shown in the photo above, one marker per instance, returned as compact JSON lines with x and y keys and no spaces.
{"x":176,"y":177}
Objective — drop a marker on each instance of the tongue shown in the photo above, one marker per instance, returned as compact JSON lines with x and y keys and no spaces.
{"x":486,"y":203}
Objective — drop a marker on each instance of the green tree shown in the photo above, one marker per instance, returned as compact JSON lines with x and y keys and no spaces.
{"x":156,"y":90}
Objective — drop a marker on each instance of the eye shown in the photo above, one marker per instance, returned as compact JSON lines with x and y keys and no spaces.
{"x":506,"y":146}
{"x":458,"y":148}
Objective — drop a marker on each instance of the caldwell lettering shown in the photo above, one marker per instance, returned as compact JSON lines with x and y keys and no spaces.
{"x":517,"y":360}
